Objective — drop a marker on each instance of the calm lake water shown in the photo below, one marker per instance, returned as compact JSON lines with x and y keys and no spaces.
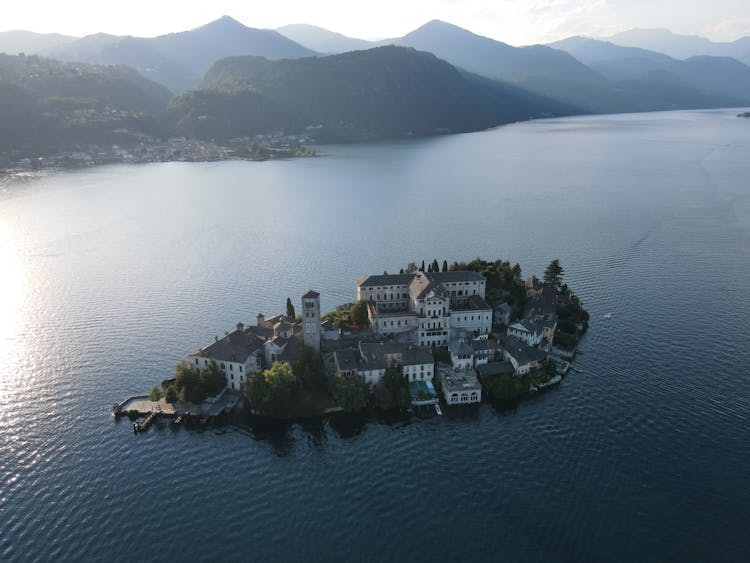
{"x":111,"y":275}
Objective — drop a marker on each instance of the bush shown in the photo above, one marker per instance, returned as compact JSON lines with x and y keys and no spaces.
{"x":171,"y":394}
{"x":156,"y":393}
{"x":349,"y":392}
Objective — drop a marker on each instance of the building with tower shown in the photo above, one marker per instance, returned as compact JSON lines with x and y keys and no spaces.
{"x":311,"y":331}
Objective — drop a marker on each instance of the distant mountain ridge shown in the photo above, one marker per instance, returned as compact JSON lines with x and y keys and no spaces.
{"x":179,"y":60}
{"x":322,"y":40}
{"x":708,"y":75}
{"x":30,"y":43}
{"x":386,"y":92}
{"x":495,"y":59}
{"x":682,"y":46}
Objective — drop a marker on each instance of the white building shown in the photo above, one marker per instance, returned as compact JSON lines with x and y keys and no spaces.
{"x":459,"y":387}
{"x":237,"y":354}
{"x":431,"y":304}
{"x":370,"y":360}
{"x":527,"y":330}
{"x":521,"y":356}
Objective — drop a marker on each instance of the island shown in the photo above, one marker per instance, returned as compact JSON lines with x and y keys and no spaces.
{"x":744,"y":114}
{"x":425,"y":339}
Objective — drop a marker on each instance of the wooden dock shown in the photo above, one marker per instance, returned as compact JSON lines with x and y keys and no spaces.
{"x":203,"y":413}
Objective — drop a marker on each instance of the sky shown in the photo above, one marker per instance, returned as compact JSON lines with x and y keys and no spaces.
{"x":518,"y":22}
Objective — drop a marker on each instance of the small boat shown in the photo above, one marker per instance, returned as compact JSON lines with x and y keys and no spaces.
{"x":608,"y":317}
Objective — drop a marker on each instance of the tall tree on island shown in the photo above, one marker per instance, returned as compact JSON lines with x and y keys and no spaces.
{"x":290,"y":313}
{"x":435,"y":265}
{"x":422,"y":268}
{"x":445,"y":265}
{"x":553,"y":274}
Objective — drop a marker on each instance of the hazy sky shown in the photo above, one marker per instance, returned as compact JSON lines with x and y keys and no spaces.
{"x":513,"y":21}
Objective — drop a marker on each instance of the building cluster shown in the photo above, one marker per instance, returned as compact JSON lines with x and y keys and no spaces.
{"x":414,"y":319}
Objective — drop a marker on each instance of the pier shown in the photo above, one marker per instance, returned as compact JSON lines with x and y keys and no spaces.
{"x":205,"y":412}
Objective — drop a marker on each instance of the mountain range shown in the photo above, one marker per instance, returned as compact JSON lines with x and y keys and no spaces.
{"x":233,"y":81}
{"x":385,"y":92}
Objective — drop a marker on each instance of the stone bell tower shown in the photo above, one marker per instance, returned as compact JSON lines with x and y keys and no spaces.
{"x":311,"y":320}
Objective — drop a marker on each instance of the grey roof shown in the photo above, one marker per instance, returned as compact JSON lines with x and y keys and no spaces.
{"x":456,"y":276}
{"x":374,"y":353}
{"x":311,"y":295}
{"x":459,"y":381}
{"x":346,"y":360}
{"x":522,"y":352}
{"x":422,"y":287}
{"x":237,"y":346}
{"x":479,"y":345}
{"x":460,"y":347}
{"x":385,"y":279}
{"x":474,"y":303}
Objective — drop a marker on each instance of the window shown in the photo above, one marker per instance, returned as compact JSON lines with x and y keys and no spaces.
{"x":223,"y":366}
{"x":231,"y":367}
{"x":196,"y":361}
{"x":240,"y":369}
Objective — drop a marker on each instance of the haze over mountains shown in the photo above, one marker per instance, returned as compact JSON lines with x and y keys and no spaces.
{"x":236,"y":81}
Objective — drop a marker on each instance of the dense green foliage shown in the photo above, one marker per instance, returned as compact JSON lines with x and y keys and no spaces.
{"x":502,"y":280}
{"x":290,"y":312}
{"x":553,"y":274}
{"x":170,"y":395}
{"x":359,"y":314}
{"x":309,"y":369}
{"x":398,"y":388}
{"x":349,"y":392}
{"x":273,"y":392}
{"x":507,"y":386}
{"x":213,"y":379}
{"x":194,"y":385}
{"x":155,"y":394}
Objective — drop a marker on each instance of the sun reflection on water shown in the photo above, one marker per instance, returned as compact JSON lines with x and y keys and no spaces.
{"x":11,"y":291}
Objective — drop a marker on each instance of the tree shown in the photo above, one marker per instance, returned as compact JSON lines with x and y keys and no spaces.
{"x":171,"y":394}
{"x":553,"y":274}
{"x":188,"y":383}
{"x":411,"y":267}
{"x":421,"y":269}
{"x":309,"y":368}
{"x":517,"y":271}
{"x":273,"y":391}
{"x":213,"y":379}
{"x":155,"y":393}
{"x":359,"y":314}
{"x":398,"y":387}
{"x":349,"y":392}
{"x":445,"y":265}
{"x":290,"y":313}
{"x":435,"y":265}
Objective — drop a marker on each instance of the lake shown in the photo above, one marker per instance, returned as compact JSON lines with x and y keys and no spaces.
{"x":111,"y":275}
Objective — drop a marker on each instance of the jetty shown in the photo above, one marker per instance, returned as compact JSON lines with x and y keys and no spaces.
{"x":205,"y":412}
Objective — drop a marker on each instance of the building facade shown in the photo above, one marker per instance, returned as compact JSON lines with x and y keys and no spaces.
{"x":431,"y":304}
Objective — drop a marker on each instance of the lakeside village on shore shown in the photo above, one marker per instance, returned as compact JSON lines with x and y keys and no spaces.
{"x":414,"y":340}
{"x":149,"y":149}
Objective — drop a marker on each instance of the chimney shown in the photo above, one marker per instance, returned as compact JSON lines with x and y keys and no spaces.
{"x":240,"y":327}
